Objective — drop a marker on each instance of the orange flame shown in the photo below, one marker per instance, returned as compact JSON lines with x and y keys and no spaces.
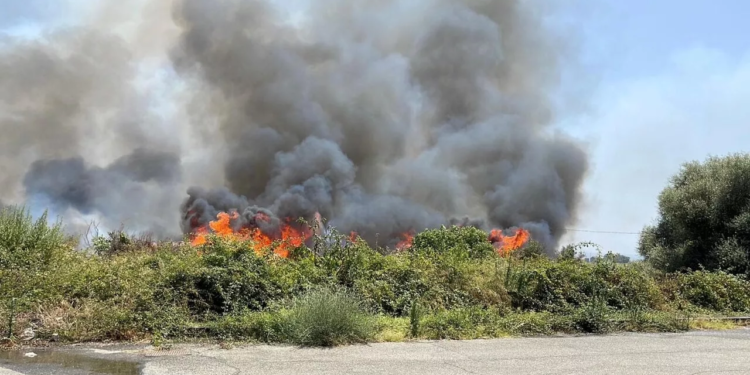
{"x":508,"y":244}
{"x":291,"y":237}
{"x":406,"y":242}
{"x":221,"y":228}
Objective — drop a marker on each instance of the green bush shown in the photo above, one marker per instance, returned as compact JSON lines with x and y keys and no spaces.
{"x":325,"y":317}
{"x":132,"y":289}
{"x":25,"y":243}
{"x":458,"y":241}
{"x":389,"y":283}
{"x":592,"y":317}
{"x":704,"y":218}
{"x":565,"y":285}
{"x":475,"y":323}
{"x":716,"y":291}
{"x":117,"y":242}
{"x":265,"y":326}
{"x":459,"y":324}
{"x":230,"y":276}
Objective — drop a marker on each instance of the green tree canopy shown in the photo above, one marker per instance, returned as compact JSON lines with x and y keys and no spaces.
{"x":704,"y":218}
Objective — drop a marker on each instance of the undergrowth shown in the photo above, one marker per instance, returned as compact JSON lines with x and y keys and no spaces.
{"x":450,"y":285}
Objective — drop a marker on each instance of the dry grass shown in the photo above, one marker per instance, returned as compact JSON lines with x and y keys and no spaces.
{"x":713,"y":325}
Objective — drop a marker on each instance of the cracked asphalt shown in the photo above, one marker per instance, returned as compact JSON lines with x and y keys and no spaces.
{"x":703,"y":352}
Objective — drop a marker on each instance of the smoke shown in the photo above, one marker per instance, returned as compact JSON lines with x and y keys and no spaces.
{"x":82,"y":135}
{"x":124,"y":191}
{"x":383,"y":116}
{"x":384,"y":120}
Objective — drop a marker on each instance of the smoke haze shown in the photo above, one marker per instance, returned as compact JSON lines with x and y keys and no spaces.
{"x":383,"y":116}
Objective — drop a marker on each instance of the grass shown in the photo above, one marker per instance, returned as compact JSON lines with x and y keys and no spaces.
{"x":449,"y":285}
{"x":714,"y":325}
{"x":326,"y":317}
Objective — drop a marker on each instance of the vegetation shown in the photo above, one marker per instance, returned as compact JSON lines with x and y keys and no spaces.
{"x":704,"y":219}
{"x":449,"y":284}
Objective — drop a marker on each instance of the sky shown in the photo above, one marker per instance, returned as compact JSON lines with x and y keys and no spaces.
{"x":673,"y":78}
{"x":670,"y":81}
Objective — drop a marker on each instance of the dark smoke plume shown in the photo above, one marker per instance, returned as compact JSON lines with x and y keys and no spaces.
{"x":384,"y":116}
{"x":80,"y":138}
{"x":123,"y":189}
{"x":385,"y":120}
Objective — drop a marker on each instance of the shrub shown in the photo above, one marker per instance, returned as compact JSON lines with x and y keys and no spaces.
{"x":716,"y":291}
{"x":387,"y":284}
{"x":531,"y":250}
{"x":415,"y":315}
{"x":638,"y":320}
{"x":592,"y":317}
{"x":460,"y":241}
{"x":475,"y":323}
{"x":230,"y":277}
{"x":118,"y":242}
{"x":28,"y":244}
{"x":561,"y":286}
{"x":451,"y":284}
{"x":265,"y":326}
{"x":325,"y":317}
{"x":460,"y":324}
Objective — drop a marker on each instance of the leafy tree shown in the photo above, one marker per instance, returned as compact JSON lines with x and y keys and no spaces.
{"x":704,"y":218}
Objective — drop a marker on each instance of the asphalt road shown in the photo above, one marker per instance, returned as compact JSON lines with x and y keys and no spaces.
{"x":725,"y":352}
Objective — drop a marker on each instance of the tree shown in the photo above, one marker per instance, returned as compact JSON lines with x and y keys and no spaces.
{"x":704,"y":218}
{"x":614,"y":257}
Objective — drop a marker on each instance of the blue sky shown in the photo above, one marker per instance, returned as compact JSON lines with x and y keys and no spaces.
{"x":672,"y":85}
{"x":674,"y":80}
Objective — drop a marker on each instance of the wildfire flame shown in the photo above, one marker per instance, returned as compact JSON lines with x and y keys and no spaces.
{"x":289,"y":236}
{"x":505,"y":245}
{"x":407,"y":239}
{"x":221,"y":227}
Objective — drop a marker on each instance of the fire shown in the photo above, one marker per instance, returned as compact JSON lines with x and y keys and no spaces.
{"x":508,"y":244}
{"x":288,"y":238}
{"x":221,"y":227}
{"x":199,"y":237}
{"x":406,"y":241}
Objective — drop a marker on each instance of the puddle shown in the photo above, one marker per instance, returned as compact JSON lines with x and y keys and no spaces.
{"x":64,"y":362}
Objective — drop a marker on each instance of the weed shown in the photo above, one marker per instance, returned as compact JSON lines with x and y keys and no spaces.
{"x":451,"y":284}
{"x":325,"y":317}
{"x":414,"y":318}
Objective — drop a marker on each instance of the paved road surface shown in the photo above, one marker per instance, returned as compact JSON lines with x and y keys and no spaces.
{"x":726,"y":352}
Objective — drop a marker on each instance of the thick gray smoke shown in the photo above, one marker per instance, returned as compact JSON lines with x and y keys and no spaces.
{"x":128,"y":186}
{"x":383,"y":116}
{"x":69,"y":106}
